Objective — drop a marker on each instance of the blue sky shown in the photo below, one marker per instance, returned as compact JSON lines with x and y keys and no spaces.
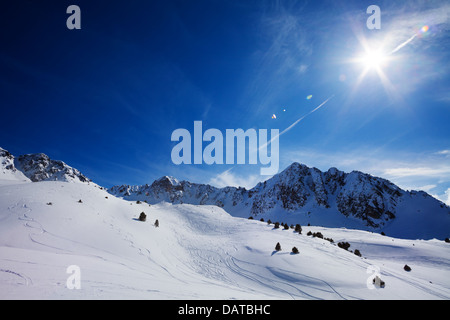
{"x":106,"y":99}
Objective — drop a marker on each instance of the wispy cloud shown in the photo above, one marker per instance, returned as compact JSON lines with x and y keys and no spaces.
{"x":444,"y":197}
{"x":447,"y":194}
{"x":445,"y":153}
{"x":402,"y":172}
{"x":433,"y":165}
{"x":403,"y":23}
{"x":303,"y":68}
{"x":230,"y":179}
{"x":282,"y":58}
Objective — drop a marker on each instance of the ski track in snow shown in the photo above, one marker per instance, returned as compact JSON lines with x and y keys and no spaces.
{"x":281,"y":286}
{"x":27,"y":280}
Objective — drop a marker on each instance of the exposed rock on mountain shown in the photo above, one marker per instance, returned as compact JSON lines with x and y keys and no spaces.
{"x":37,"y":167}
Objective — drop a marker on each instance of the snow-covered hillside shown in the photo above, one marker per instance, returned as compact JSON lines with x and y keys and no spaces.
{"x":197,"y":252}
{"x":304,"y":195}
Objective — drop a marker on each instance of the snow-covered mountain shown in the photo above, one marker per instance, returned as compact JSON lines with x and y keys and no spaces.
{"x":304,"y":195}
{"x":37,"y":167}
{"x":298,"y":194}
{"x":61,"y":240}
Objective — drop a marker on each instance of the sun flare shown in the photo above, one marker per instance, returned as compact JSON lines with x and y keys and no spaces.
{"x":373,"y":59}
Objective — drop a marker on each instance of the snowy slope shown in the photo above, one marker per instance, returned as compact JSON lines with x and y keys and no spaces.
{"x":300,"y":194}
{"x":8,"y":171}
{"x":197,"y":252}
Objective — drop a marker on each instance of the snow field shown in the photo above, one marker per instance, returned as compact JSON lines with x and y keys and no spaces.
{"x":197,"y":252}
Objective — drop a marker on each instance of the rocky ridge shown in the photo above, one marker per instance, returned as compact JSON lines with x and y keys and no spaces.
{"x":298,"y":191}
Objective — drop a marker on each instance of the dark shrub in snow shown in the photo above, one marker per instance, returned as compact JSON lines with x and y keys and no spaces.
{"x":357,"y":253}
{"x":298,"y":228}
{"x":294,"y":250}
{"x":318,"y":235}
{"x":407,"y":268}
{"x":142,"y":216}
{"x":344,"y":245}
{"x":278,"y":247}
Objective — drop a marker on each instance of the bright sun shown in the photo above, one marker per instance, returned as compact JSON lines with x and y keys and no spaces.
{"x":373,"y":59}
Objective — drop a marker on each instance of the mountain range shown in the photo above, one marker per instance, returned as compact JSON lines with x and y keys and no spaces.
{"x":298,"y":194}
{"x":64,"y":237}
{"x":304,"y":195}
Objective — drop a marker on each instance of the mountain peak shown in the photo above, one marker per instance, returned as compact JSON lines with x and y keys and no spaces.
{"x":169,"y":180}
{"x":37,"y":167}
{"x":167,"y":183}
{"x":296,"y":166}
